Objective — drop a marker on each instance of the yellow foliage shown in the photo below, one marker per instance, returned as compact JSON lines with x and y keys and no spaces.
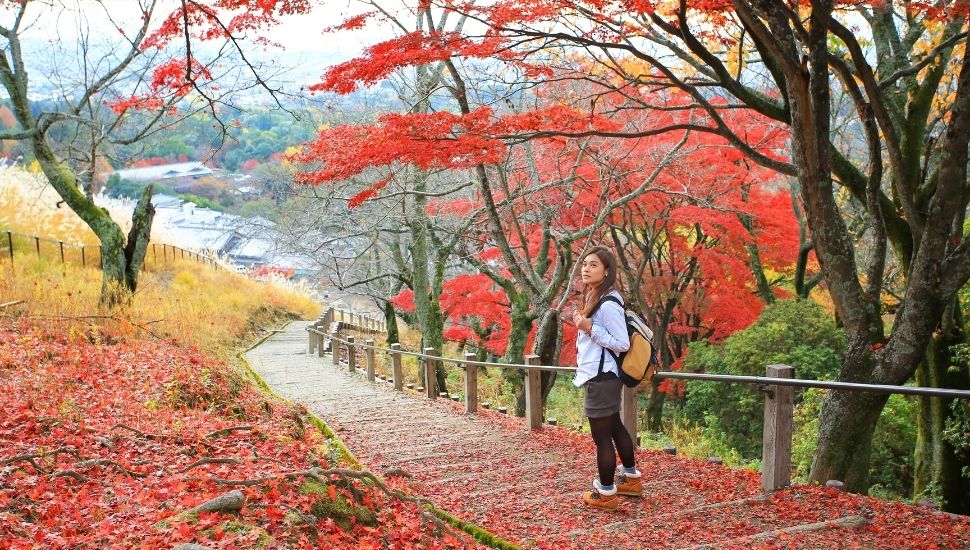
{"x":186,"y":280}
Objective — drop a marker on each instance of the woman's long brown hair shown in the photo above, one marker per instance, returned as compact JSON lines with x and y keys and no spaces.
{"x":592,"y":295}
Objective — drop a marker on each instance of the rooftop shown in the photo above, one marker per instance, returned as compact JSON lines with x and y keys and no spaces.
{"x":166,"y":171}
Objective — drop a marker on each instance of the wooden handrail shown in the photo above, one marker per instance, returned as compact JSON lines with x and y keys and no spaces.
{"x":461,"y":362}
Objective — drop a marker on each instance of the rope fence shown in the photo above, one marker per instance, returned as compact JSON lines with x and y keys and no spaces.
{"x":14,"y":245}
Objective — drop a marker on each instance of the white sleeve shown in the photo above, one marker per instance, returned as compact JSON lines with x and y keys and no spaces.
{"x":612,"y":333}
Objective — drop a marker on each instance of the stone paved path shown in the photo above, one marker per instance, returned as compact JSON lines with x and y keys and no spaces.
{"x":524,"y":487}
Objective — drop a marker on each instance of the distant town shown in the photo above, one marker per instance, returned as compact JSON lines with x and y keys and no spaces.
{"x":246,"y":242}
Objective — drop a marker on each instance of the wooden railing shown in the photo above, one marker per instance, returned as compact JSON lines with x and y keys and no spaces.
{"x":778,"y":384}
{"x":348,"y":320}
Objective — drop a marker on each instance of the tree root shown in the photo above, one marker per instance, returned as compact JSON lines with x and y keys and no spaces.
{"x":140,"y":433}
{"x":231,"y":502}
{"x":322,"y":476}
{"x":71,"y":474}
{"x":105,"y":462}
{"x":161,"y":437}
{"x":226,"y":431}
{"x":207,"y":460}
{"x":31,"y":456}
{"x":114,"y":318}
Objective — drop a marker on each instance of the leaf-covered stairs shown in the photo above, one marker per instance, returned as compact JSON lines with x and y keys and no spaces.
{"x":526,"y":487}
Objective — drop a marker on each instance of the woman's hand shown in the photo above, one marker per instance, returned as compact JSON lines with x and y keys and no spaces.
{"x":584,"y":324}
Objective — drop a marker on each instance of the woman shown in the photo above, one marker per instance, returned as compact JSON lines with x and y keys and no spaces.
{"x":602,"y":329}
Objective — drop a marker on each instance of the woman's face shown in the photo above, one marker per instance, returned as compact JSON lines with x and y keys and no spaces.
{"x":592,"y":270}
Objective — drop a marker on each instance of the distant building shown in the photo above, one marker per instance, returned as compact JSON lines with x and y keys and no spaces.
{"x":166,"y":171}
{"x":246,"y":242}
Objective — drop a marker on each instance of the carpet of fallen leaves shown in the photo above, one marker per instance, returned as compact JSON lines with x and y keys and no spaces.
{"x":106,"y":445}
{"x":686,"y":502}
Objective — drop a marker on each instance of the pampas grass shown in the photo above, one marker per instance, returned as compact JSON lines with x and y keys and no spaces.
{"x":208,"y":307}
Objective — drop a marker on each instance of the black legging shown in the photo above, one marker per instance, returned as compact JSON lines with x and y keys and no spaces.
{"x":606,"y":431}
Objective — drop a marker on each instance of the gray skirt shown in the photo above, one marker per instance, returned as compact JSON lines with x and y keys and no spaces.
{"x":602,"y":397}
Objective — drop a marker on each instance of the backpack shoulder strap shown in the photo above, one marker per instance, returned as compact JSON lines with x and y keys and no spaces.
{"x":603,"y":300}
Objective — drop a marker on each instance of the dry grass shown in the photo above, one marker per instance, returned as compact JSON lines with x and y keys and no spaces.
{"x":210,"y":308}
{"x":29,"y":205}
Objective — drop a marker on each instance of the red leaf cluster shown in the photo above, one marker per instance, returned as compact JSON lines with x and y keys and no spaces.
{"x":414,"y":48}
{"x":437,"y":140}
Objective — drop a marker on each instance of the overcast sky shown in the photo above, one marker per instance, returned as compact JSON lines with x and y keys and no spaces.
{"x":301,"y":33}
{"x":51,"y":36}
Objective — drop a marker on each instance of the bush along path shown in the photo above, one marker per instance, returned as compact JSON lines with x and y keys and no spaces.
{"x":149,"y":444}
{"x":526,"y":488}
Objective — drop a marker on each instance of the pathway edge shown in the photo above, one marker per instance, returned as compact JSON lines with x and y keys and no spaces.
{"x":477,"y":532}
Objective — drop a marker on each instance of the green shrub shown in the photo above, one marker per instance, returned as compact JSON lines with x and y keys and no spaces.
{"x":794,"y":332}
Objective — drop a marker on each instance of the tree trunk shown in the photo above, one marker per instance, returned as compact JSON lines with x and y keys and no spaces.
{"x":655,"y":407}
{"x":846,"y":425}
{"x":547,"y":346}
{"x":937,"y":471}
{"x":757,"y":269}
{"x":138,"y":237}
{"x":434,"y":338}
{"x":393,"y":337}
{"x":520,"y":324}
{"x":120,"y":261}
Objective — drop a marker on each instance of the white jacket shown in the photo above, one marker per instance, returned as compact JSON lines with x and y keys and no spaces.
{"x":609,"y":331}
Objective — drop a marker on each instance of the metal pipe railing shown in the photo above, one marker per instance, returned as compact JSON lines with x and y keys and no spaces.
{"x":823,"y":384}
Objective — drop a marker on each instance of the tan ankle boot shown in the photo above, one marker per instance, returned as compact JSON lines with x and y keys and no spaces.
{"x":597,"y":500}
{"x":630,"y":486}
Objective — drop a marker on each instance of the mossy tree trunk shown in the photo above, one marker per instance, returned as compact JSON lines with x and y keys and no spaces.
{"x":390,"y":319}
{"x":122,"y":257}
{"x":548,"y":344}
{"x":938,"y":467}
{"x":520,"y":324}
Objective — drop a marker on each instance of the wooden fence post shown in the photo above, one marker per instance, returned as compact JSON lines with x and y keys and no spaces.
{"x":369,"y":358}
{"x":351,"y":360}
{"x":628,"y":412}
{"x":334,"y":349}
{"x":320,"y":339}
{"x":312,"y":339}
{"x":396,"y":372}
{"x":430,"y":374}
{"x":776,"y":448}
{"x":533,"y":394}
{"x":471,"y":384}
